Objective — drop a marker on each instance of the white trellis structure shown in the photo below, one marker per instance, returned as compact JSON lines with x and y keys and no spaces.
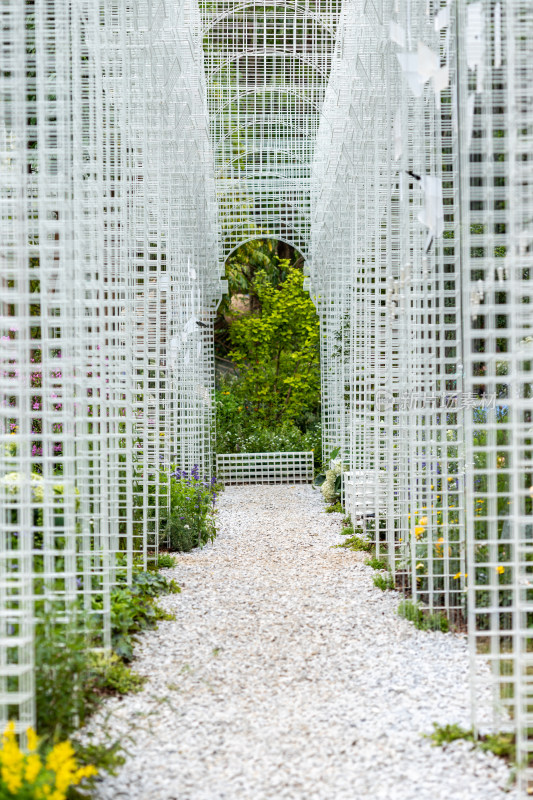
{"x":391,"y":143}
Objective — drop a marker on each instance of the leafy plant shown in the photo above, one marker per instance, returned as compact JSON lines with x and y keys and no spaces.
{"x":502,"y":744}
{"x":166,"y":561}
{"x":189,"y":522}
{"x":336,"y":508}
{"x":133,"y":609}
{"x":115,"y":675}
{"x":422,"y":618}
{"x":376,"y":563}
{"x":66,"y":685}
{"x":444,"y":734}
{"x":357,"y":543}
{"x":385,"y":582}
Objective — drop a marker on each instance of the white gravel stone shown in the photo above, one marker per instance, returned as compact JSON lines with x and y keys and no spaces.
{"x":287,"y":674}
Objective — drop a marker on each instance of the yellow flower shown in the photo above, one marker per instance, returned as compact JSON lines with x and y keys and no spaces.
{"x":85,"y":772}
{"x":33,"y":767}
{"x":457,"y":575}
{"x":419,"y":530}
{"x":423,"y":521}
{"x":420,"y":566}
{"x":240,"y":408}
{"x":33,"y":739}
{"x":12,"y":760}
{"x":500,"y":570}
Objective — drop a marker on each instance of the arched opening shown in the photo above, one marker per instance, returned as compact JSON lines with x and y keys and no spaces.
{"x":267,"y":345}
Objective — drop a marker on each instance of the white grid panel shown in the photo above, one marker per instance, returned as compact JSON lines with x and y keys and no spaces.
{"x":265,"y":468}
{"x":496,"y":61}
{"x":267,"y":66}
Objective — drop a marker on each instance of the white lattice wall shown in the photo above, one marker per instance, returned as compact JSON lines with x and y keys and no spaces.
{"x":390,"y":143}
{"x":265,"y":468}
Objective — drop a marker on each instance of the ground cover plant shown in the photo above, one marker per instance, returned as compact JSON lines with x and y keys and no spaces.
{"x":502,"y":744}
{"x":72,"y":678}
{"x":422,"y":618}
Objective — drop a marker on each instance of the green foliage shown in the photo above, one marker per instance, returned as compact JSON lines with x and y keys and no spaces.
{"x":71,"y":678}
{"x":355,"y":542}
{"x":336,"y":508}
{"x":133,"y":609}
{"x":385,"y":582}
{"x":501,"y":744}
{"x":66,"y":684}
{"x":248,"y":259}
{"x":277,"y":351}
{"x":376,"y":563}
{"x":444,"y":734}
{"x":166,"y":561}
{"x":105,"y":757}
{"x":423,"y":619}
{"x":115,"y":675}
{"x":190,"y":521}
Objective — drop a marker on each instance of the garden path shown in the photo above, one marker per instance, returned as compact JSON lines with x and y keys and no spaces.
{"x":287,"y":674}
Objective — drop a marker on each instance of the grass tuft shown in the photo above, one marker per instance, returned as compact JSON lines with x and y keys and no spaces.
{"x":423,"y":619}
{"x":376,"y":563}
{"x":385,"y":582}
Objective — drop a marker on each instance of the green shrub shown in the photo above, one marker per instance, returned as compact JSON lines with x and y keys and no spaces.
{"x":239,"y":428}
{"x":277,"y":351}
{"x":178,"y":534}
{"x":166,"y":561}
{"x":187,"y":514}
{"x":70,"y":677}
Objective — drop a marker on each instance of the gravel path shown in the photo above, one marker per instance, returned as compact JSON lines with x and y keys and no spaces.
{"x":287,"y":674}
